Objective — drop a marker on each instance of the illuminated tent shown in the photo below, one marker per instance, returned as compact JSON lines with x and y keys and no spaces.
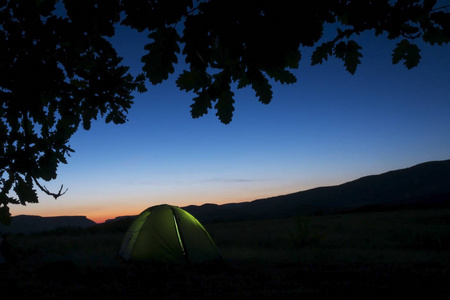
{"x":168,"y":234}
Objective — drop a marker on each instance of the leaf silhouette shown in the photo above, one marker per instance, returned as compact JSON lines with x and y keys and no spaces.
{"x":193,"y":80}
{"x":201,"y":105}
{"x":5,"y":216}
{"x":282,"y":75}
{"x":158,"y":63}
{"x":259,"y":84}
{"x":24,"y":190}
{"x":408,"y":52}
{"x":349,"y":53}
{"x":322,"y":53}
{"x":225,"y":106}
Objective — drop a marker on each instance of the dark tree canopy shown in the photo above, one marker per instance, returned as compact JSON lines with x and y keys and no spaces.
{"x":59,"y":71}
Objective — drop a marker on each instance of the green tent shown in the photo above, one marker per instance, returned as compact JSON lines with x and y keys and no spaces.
{"x":168,"y":234}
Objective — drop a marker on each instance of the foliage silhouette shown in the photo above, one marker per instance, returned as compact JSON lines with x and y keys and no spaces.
{"x":59,"y":70}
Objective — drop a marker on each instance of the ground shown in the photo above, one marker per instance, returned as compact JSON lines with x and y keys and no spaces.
{"x":378,"y":255}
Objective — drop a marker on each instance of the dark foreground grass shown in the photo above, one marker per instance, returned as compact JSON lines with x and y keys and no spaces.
{"x":232,"y":280}
{"x":382,"y":255}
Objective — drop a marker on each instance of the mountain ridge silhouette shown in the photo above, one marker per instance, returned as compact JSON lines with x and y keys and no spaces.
{"x":30,"y":224}
{"x":422,"y":185}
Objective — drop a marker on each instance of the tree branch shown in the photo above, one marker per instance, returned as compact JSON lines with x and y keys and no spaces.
{"x":45,"y":190}
{"x":441,"y":8}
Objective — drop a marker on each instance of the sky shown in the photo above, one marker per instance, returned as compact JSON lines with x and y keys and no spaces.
{"x":329,"y":128}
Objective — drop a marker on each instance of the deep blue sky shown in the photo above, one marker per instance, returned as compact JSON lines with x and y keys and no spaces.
{"x":328,"y":128}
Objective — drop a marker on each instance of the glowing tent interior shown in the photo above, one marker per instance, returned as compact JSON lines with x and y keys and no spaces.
{"x":168,"y":234}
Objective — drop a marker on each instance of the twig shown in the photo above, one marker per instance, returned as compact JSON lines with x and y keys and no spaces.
{"x":45,"y":190}
{"x":441,"y":8}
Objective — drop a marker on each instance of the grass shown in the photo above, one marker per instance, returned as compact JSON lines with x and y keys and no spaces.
{"x":400,"y":253}
{"x":383,"y":237}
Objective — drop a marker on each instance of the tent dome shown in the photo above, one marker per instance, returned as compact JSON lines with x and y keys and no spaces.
{"x":168,"y":234}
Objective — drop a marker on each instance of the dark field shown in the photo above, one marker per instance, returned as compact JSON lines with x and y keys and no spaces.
{"x":379,"y":255}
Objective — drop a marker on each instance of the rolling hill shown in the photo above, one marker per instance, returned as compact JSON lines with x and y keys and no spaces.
{"x":426,"y":184}
{"x":423,"y":185}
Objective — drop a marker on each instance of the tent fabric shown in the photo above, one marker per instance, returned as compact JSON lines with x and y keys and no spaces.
{"x":168,"y":234}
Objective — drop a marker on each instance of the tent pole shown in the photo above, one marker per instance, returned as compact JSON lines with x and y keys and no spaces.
{"x":180,"y":237}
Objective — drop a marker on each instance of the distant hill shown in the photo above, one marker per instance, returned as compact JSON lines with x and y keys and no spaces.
{"x":29,"y":224}
{"x":423,"y":185}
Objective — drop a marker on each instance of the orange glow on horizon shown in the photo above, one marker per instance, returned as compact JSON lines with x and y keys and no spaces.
{"x":112,"y":208}
{"x":99,"y":213}
{"x":100,"y":216}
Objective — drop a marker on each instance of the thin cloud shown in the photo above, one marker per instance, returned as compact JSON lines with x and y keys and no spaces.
{"x":231,"y":180}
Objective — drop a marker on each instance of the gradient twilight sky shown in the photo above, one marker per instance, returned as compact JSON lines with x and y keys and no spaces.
{"x":328,"y":128}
